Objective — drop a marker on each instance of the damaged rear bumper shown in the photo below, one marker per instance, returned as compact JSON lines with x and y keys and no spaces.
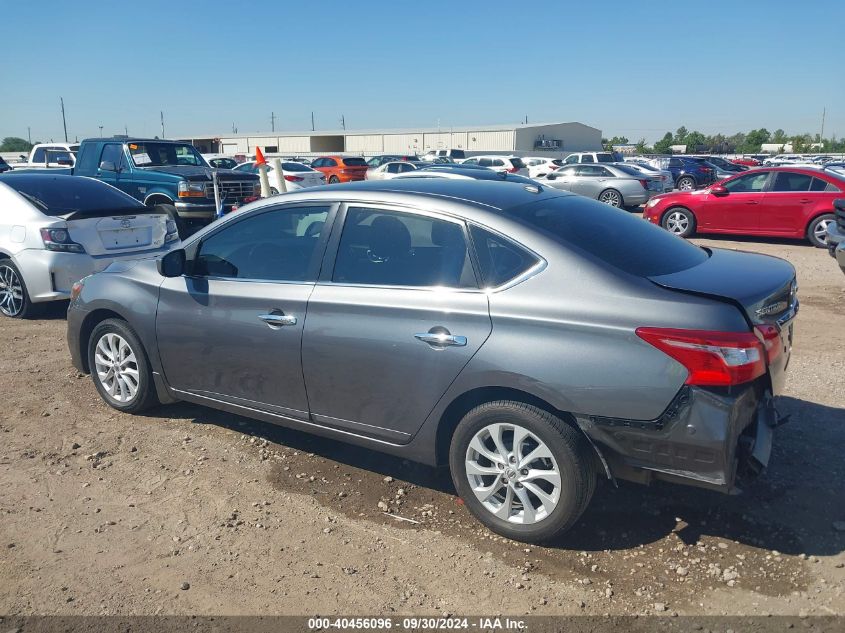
{"x":707,"y":438}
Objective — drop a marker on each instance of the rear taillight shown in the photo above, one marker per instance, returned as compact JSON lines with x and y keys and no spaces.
{"x":711,"y":358}
{"x":771,"y":341}
{"x":294,"y":178}
{"x":59,"y":240}
{"x":513,"y":170}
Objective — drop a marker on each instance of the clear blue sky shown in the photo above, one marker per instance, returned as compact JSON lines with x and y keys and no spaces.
{"x":634,"y":68}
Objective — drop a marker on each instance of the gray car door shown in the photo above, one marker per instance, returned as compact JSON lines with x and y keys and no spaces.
{"x":590,"y":180}
{"x":395,"y":317}
{"x":232,"y":329}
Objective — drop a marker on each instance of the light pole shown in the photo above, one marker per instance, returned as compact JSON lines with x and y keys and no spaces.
{"x":101,"y":131}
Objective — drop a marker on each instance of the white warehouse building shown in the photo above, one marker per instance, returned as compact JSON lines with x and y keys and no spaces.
{"x":548,"y":138}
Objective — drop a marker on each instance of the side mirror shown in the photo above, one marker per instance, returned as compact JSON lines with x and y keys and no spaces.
{"x":718,"y":190}
{"x":107,"y":165}
{"x":172,"y":264}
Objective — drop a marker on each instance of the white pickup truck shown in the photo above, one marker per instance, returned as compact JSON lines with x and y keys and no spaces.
{"x":49,"y":156}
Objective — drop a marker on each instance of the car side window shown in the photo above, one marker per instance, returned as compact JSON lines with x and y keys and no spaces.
{"x":393,"y":168}
{"x":111,"y":153}
{"x":586,"y":158}
{"x":39,"y":156}
{"x":391,"y":248}
{"x":591,"y":171}
{"x":499,"y":259}
{"x":749,"y":183}
{"x":830,"y":187}
{"x":277,"y":245}
{"x":791,"y":181}
{"x":485,"y":162}
{"x":329,"y":162}
{"x":570,"y":160}
{"x":471,"y":161}
{"x":497,"y":162}
{"x":674,"y":162}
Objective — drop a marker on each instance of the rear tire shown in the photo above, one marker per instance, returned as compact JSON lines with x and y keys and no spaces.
{"x":817,"y":230}
{"x":612,"y":197}
{"x":169,"y":209}
{"x":120,"y":368}
{"x":558,"y":484}
{"x":14,"y":297}
{"x":679,"y":221}
{"x":333,"y":180}
{"x":685,"y":183}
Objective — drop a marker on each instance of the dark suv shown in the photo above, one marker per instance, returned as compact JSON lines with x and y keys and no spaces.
{"x":688,"y":172}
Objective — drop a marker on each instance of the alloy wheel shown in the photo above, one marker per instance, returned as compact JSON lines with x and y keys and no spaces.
{"x":11,"y":292}
{"x":677,"y":223}
{"x":820,"y":230}
{"x":116,"y":367}
{"x":686,"y":184}
{"x":612,"y":198}
{"x":513,"y":473}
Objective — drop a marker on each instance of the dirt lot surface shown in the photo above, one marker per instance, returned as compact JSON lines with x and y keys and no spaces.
{"x":194,"y":511}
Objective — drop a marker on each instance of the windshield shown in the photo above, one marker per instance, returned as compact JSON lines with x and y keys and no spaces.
{"x":625,"y":241}
{"x":223,"y":163}
{"x":64,"y":194}
{"x":154,"y":154}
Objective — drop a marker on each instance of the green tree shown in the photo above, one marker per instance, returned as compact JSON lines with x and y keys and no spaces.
{"x":779,"y":136}
{"x":753,"y":140}
{"x":15,"y":144}
{"x":694,"y":141}
{"x":680,"y":137}
{"x":642,"y":148}
{"x":616,"y":140}
{"x":664,"y":145}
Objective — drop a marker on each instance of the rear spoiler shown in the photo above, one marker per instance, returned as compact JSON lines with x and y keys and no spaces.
{"x":109,"y":213}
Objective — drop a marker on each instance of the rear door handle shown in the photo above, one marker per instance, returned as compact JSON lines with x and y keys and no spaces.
{"x":277,"y":320}
{"x":752,"y":202}
{"x":805,"y":200}
{"x":441,"y":339}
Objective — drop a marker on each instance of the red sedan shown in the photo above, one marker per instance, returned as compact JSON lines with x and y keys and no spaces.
{"x":341,"y":168}
{"x":776,"y":202}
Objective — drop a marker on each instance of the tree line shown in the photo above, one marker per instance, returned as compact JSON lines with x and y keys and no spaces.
{"x":739,"y":143}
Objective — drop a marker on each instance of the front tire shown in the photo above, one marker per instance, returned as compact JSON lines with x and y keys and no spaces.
{"x":120,"y":367}
{"x":14,"y":297}
{"x":523,"y":472}
{"x":611,"y":197}
{"x":334,"y":180}
{"x":817,"y":230}
{"x":679,"y":221}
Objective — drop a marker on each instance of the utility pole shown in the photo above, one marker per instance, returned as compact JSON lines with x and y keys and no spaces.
{"x":28,"y":135}
{"x":126,"y":129}
{"x":821,"y":136}
{"x":64,"y":121}
{"x":342,"y":121}
{"x":312,"y":120}
{"x":272,"y":121}
{"x":162,"y":123}
{"x":101,"y":131}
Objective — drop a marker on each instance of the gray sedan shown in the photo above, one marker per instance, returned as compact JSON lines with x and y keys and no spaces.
{"x":483,"y":325}
{"x":614,"y":184}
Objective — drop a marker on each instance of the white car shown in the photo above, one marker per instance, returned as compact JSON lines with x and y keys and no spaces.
{"x":57,"y":229}
{"x":784,"y":159}
{"x":452,"y":154}
{"x":296,"y":175}
{"x":389,"y":170}
{"x":541,"y":166}
{"x":510,"y":164}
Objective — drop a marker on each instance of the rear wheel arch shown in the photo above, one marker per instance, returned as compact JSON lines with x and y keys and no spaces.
{"x":157,"y":198}
{"x":824,"y":214}
{"x":92,"y":320}
{"x":467,"y":401}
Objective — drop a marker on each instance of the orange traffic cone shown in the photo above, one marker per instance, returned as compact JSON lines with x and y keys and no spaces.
{"x":259,"y":157}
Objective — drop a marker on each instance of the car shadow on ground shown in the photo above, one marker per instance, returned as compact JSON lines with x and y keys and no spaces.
{"x":791,"y":508}
{"x":52,"y":310}
{"x":753,"y":239}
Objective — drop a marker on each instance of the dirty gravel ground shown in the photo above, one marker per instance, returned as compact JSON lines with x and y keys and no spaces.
{"x":193,"y":511}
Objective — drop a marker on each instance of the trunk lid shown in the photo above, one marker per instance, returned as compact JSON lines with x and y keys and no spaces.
{"x":763,"y":287}
{"x":118,"y":231}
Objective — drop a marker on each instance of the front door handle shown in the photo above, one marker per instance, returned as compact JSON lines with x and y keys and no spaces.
{"x":441,"y":339}
{"x":277,"y":320}
{"x":752,"y":202}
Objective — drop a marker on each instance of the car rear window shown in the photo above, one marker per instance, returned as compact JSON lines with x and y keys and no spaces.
{"x":59,"y":195}
{"x":518,"y":163}
{"x":355,"y":162}
{"x":631,"y":171}
{"x":625,"y":241}
{"x":295,"y":167}
{"x":605,"y":158}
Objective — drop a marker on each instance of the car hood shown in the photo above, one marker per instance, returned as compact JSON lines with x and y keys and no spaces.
{"x":191,"y":172}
